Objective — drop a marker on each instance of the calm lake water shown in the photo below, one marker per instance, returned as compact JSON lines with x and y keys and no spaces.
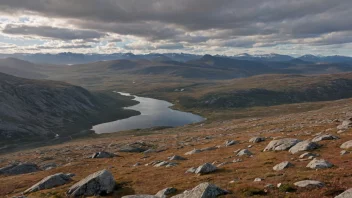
{"x":154,"y":113}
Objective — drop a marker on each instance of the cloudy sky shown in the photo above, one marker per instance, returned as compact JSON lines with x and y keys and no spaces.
{"x":227,"y":27}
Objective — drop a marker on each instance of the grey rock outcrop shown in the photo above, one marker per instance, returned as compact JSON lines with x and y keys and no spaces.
{"x":309,"y":184}
{"x":347,"y":145}
{"x":303,"y":146}
{"x":101,"y":182}
{"x":346,"y":124}
{"x":176,"y":158}
{"x":49,"y":182}
{"x":103,"y":154}
{"x":346,"y":194}
{"x":205,"y":168}
{"x":256,"y":139}
{"x":131,"y":149}
{"x":244,"y":152}
{"x":319,"y":164}
{"x":17,"y":169}
{"x":281,"y":144}
{"x":324,"y":137}
{"x":282,"y":166}
{"x":203,"y":190}
{"x":165,"y":192}
{"x":230,"y":142}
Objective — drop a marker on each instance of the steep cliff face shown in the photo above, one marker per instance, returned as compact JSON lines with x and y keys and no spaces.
{"x":36,"y":109}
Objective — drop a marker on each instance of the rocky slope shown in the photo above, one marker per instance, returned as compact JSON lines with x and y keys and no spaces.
{"x":36,"y":110}
{"x":305,"y":154}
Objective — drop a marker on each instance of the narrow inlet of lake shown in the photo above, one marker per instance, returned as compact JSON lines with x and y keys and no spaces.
{"x":154,"y":113}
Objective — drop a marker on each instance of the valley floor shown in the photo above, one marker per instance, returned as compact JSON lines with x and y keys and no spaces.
{"x":74,"y":157}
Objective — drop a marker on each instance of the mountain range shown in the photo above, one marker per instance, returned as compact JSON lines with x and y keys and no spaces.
{"x":77,"y":58}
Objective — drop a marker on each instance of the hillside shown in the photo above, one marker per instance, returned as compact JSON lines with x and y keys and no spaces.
{"x":36,"y":110}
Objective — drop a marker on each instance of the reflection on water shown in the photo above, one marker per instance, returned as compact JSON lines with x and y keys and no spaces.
{"x":153,"y":113}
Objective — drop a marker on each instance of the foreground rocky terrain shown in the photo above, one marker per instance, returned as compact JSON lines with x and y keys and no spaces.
{"x":305,"y":154}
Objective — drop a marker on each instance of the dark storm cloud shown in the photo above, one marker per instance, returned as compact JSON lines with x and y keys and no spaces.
{"x":52,"y":32}
{"x":181,"y":20}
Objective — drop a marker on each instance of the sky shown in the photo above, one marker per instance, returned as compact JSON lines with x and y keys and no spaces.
{"x":226,"y":27}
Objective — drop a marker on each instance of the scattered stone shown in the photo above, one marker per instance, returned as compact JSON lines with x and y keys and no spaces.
{"x":176,"y":158}
{"x":282,"y":166}
{"x":205,"y":169}
{"x":346,"y":194}
{"x":150,"y":151}
{"x":303,"y":146}
{"x":163,"y":163}
{"x":49,"y":166}
{"x":191,"y":170}
{"x":204,"y":190}
{"x":258,"y":179}
{"x":256,"y":139}
{"x":230,"y":142}
{"x":167,"y":191}
{"x":137,"y":164}
{"x":244,"y":152}
{"x":50,"y":182}
{"x":346,"y":124}
{"x":324,"y":137}
{"x":343,"y":152}
{"x":17,"y":169}
{"x":319,"y":164}
{"x":307,"y":155}
{"x":309,"y":184}
{"x":209,"y":148}
{"x":347,"y":145}
{"x":103,"y":154}
{"x":131,"y":149}
{"x":101,"y":182}
{"x":194,"y":151}
{"x":237,"y":160}
{"x":281,"y":144}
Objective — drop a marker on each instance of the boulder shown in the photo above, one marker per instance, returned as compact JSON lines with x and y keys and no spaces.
{"x":319,"y":164}
{"x":205,"y":168}
{"x":203,"y":190}
{"x":50,"y":182}
{"x":165,"y":192}
{"x":303,"y":146}
{"x":244,"y":152}
{"x":103,"y":154}
{"x":309,"y":184}
{"x":282,"y":166}
{"x":346,"y":194}
{"x":230,"y":142}
{"x":324,"y":137}
{"x":176,"y":158}
{"x":346,"y":124}
{"x":17,"y":169}
{"x":281,"y":144}
{"x":101,"y":182}
{"x":347,"y":145}
{"x":191,"y":170}
{"x":307,"y":155}
{"x":131,"y":149}
{"x":256,"y":139}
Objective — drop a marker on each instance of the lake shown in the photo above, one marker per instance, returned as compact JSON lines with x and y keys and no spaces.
{"x":154,"y":113}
